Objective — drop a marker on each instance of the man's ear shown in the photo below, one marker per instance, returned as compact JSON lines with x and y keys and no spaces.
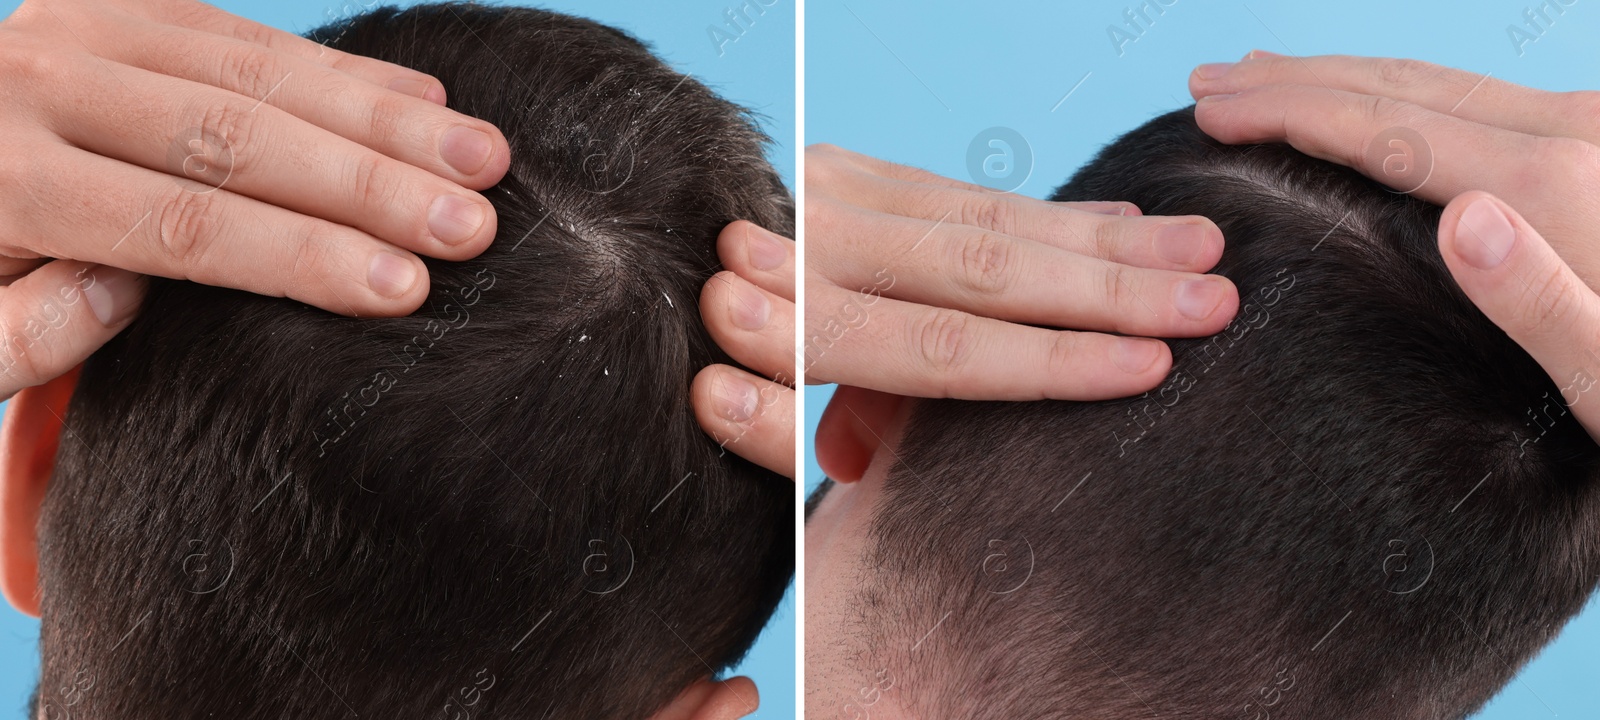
{"x":29,"y":436}
{"x":709,"y":699}
{"x":854,"y":428}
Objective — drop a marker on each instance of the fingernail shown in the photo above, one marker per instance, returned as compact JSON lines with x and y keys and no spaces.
{"x":113,"y":293}
{"x":1180,"y":244}
{"x":1217,"y":97}
{"x":1212,"y":71}
{"x":1135,"y":356}
{"x":418,"y":88}
{"x":736,"y":399}
{"x":465,"y":149}
{"x":1117,"y":208}
{"x":453,"y":219}
{"x":749,"y":307}
{"x":1258,"y":54}
{"x":1195,"y":299}
{"x":1485,"y":235}
{"x":390,"y":275}
{"x":766,"y":251}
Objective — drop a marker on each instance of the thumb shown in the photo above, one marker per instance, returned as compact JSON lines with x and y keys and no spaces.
{"x":56,"y":316}
{"x":1508,"y":270}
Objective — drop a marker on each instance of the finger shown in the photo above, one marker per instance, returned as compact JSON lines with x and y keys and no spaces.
{"x":1105,"y":230}
{"x":1009,"y":278}
{"x":897,"y":347}
{"x":748,"y":415}
{"x":752,"y":325}
{"x":199,"y":16}
{"x":453,"y":146}
{"x":1473,"y":97}
{"x":1187,"y":243}
{"x":152,"y":223}
{"x":1520,"y":283}
{"x":253,"y":149}
{"x":826,"y":164}
{"x":1099,"y":207}
{"x":1441,"y":158}
{"x":761,"y":257}
{"x":13,"y":269}
{"x":831,"y":170}
{"x":58,"y":315}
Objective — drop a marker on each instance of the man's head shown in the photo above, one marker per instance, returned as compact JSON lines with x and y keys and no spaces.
{"x":501,"y":504}
{"x":1359,"y":500}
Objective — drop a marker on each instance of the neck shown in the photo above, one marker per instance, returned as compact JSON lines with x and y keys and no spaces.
{"x":842,"y":680}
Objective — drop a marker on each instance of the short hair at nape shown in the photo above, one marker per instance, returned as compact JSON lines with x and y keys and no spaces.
{"x":499,"y":506}
{"x":1361,"y":499}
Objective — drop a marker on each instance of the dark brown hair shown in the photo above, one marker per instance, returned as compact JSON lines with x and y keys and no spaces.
{"x":500,"y":506}
{"x":1361,"y":499}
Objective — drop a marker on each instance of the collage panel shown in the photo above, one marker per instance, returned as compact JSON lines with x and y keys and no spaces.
{"x":1354,"y":474}
{"x":380,"y":370}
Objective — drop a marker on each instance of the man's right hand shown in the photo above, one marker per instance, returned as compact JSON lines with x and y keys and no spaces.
{"x":170,"y":138}
{"x":924,"y":286}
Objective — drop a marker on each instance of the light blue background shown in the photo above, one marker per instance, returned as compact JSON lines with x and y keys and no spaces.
{"x":913,"y":84}
{"x":756,"y":71}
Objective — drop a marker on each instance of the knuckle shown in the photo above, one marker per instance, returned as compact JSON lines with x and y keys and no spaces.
{"x":387,"y":116}
{"x":371,"y":184}
{"x":344,"y":62}
{"x":824,"y":150}
{"x":19,"y":358}
{"x":317,"y":249}
{"x":1403,"y":72}
{"x":1549,"y":301}
{"x":1583,"y":103}
{"x":187,"y":14}
{"x":823,"y":163}
{"x":25,"y":13}
{"x":991,"y":213}
{"x":1061,"y":356}
{"x":234,"y":125}
{"x":253,"y":71}
{"x":914,"y":200}
{"x":825,"y":216}
{"x":187,"y":226}
{"x":944,"y":342}
{"x":717,"y":292}
{"x":31,"y":64}
{"x":33,"y":338}
{"x":1565,"y":165}
{"x":983,"y":262}
{"x":1379,"y":109}
{"x":250,"y":32}
{"x":1116,"y":293}
{"x":1105,"y":238}
{"x":40,"y":17}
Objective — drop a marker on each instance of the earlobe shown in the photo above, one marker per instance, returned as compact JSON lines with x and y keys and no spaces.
{"x":853,"y":429}
{"x":709,"y":699}
{"x":29,"y":436}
